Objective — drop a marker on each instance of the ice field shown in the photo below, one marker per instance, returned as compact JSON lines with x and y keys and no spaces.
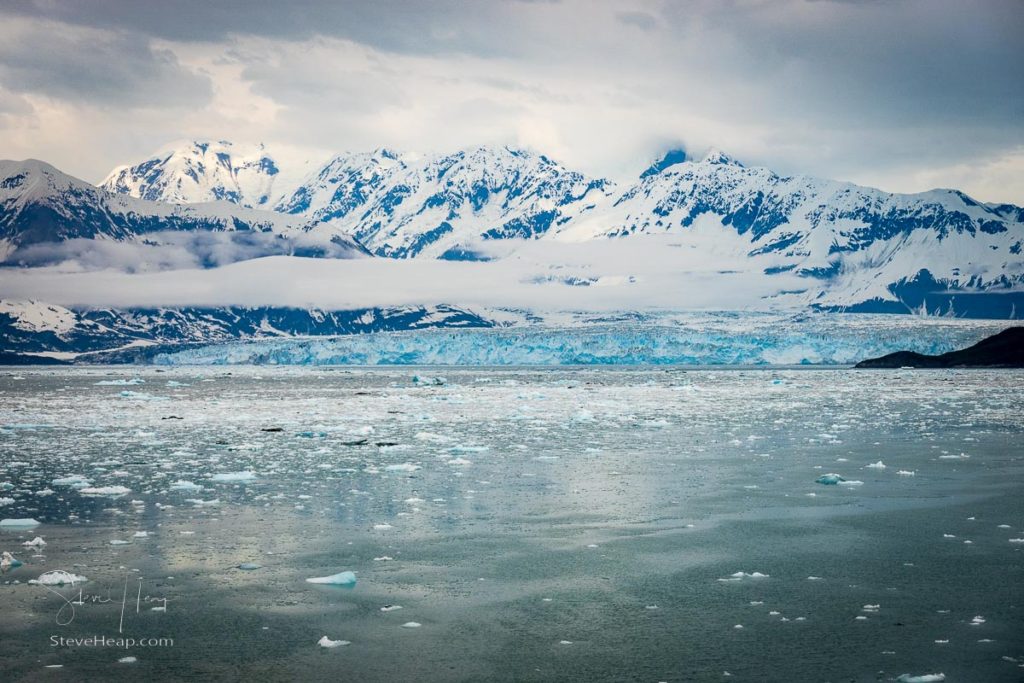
{"x":462,"y":524}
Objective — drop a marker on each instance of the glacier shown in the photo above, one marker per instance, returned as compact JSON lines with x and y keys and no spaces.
{"x":682,"y":339}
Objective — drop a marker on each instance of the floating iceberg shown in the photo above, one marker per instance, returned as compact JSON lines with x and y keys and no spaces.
{"x":739,"y":576}
{"x":8,"y":561}
{"x":73,"y":480}
{"x":182,"y":485}
{"x":6,"y":501}
{"x":234,"y":477}
{"x":36,"y":542}
{"x":877,"y":465}
{"x":339,"y":579}
{"x":105,"y":491}
{"x":404,"y":467}
{"x":830,"y":479}
{"x":327,"y":642}
{"x":58,"y":578}
{"x":17,"y":523}
{"x":923,"y":678}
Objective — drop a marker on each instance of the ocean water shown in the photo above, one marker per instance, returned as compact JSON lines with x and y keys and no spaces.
{"x":584,"y":524}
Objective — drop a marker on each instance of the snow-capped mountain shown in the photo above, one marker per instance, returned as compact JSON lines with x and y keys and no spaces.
{"x":397,"y":204}
{"x":39,"y":204}
{"x":405,"y":205}
{"x":858,"y":242}
{"x":201,"y":171}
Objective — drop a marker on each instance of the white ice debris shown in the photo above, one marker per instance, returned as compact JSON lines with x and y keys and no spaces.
{"x":1012,"y":540}
{"x":182,"y":485}
{"x":877,"y":465}
{"x":327,"y":642}
{"x":127,"y":660}
{"x":6,"y":501}
{"x":22,"y":522}
{"x":8,"y":561}
{"x":74,"y":480}
{"x":906,"y":473}
{"x":411,"y":624}
{"x":739,"y":576}
{"x":58,"y":578}
{"x":233,"y":477}
{"x":36,"y":542}
{"x":404,"y":467}
{"x":340,"y":579}
{"x":104,"y":490}
{"x":923,"y":678}
{"x":390,"y":608}
{"x":977,"y":621}
{"x":830,"y":479}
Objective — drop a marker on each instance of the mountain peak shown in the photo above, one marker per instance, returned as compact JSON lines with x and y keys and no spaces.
{"x":670,"y":158}
{"x":718,"y":157}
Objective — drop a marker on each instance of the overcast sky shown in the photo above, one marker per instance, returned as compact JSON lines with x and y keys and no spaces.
{"x":902,"y":95}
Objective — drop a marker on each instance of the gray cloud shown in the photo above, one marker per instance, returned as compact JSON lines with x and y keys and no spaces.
{"x":98,"y":67}
{"x":895,"y":94}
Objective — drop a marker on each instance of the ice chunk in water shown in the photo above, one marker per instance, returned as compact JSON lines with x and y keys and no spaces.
{"x":739,"y":576}
{"x":75,"y":480}
{"x":8,"y":561}
{"x":404,"y":467}
{"x":230,"y":477}
{"x":877,"y":465}
{"x":339,"y":579}
{"x":15,"y":523}
{"x":327,"y":642}
{"x":411,"y":624}
{"x":182,"y":485}
{"x":6,"y":501}
{"x":830,"y":479}
{"x":104,"y":491}
{"x":250,"y":566}
{"x":36,"y":542}
{"x":923,"y":678}
{"x":58,"y":578}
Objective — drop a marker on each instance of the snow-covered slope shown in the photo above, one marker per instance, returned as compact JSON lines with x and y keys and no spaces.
{"x":406,"y":205}
{"x":201,"y":171}
{"x":39,"y":204}
{"x":853,"y":243}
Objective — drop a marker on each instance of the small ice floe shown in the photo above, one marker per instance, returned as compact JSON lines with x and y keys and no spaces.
{"x":404,"y":467}
{"x":942,"y":642}
{"x":183,"y":485}
{"x":921,"y":678}
{"x":58,"y":578}
{"x":962,"y":456}
{"x":327,"y":642}
{"x":651,"y":607}
{"x":814,"y":578}
{"x":851,"y":482}
{"x":36,"y":542}
{"x":871,"y":608}
{"x":8,"y":561}
{"x":830,"y":479}
{"x":565,"y":642}
{"x":906,"y":473}
{"x":877,"y":465}
{"x":234,"y":477}
{"x":411,"y":624}
{"x":118,"y":541}
{"x":977,"y":621}
{"x":127,"y":660}
{"x":340,"y":579}
{"x":104,"y":490}
{"x":383,"y":558}
{"x":6,"y":501}
{"x":390,"y":608}
{"x":120,"y":382}
{"x":1004,"y":526}
{"x":740,"y":576}
{"x":420,"y":380}
{"x":12,"y":523}
{"x":140,"y":534}
{"x":73,"y":480}
{"x":1012,"y":540}
{"x":249,"y":566}
{"x":738,"y":626}
{"x":382,"y":527}
{"x":460,"y":462}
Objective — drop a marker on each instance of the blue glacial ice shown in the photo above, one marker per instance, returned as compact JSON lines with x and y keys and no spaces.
{"x":698,"y":339}
{"x":339,"y":579}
